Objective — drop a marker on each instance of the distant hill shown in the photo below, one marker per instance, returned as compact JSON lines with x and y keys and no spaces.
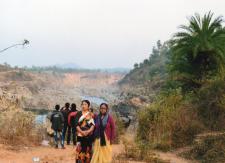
{"x":69,"y":65}
{"x":116,"y":70}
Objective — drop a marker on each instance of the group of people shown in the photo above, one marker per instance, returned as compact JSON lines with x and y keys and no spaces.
{"x":92,"y":134}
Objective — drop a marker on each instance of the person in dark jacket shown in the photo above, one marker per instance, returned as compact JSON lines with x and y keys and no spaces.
{"x":71,"y":121}
{"x":66,"y":128}
{"x":57,"y":121}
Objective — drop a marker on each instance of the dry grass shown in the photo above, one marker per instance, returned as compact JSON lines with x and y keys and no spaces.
{"x":208,"y":148}
{"x":18,"y":128}
{"x":119,"y":159}
{"x":119,"y":128}
{"x":132,"y":152}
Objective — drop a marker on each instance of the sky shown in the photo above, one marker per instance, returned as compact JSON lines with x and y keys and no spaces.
{"x":92,"y":33}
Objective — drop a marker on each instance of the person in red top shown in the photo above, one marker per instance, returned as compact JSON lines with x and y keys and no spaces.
{"x":71,"y":121}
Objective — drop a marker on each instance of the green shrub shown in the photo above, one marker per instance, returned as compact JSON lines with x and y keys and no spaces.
{"x":210,"y":149}
{"x":211,"y":104}
{"x":169,"y":122}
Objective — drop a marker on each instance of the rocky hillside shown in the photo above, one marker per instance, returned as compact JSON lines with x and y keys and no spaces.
{"x":42,"y":90}
{"x":147,"y":77}
{"x":140,"y":86}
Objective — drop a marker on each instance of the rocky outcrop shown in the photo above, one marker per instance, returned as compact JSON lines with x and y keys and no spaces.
{"x":126,"y":112}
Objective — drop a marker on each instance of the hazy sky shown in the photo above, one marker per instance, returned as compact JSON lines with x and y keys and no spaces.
{"x":92,"y":33}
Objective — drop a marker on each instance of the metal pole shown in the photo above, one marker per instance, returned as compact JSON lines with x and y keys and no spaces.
{"x":25,"y":42}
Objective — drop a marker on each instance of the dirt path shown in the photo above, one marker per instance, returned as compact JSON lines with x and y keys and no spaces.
{"x":171,"y":157}
{"x":46,"y":154}
{"x":52,"y":155}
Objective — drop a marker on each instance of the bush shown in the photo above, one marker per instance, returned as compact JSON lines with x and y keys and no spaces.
{"x":119,"y":128}
{"x":133,"y":151}
{"x":210,"y":149}
{"x":169,"y":122}
{"x":211,"y":104}
{"x":18,"y":128}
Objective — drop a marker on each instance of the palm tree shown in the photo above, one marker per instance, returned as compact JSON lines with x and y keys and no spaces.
{"x":198,"y":51}
{"x":25,"y":42}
